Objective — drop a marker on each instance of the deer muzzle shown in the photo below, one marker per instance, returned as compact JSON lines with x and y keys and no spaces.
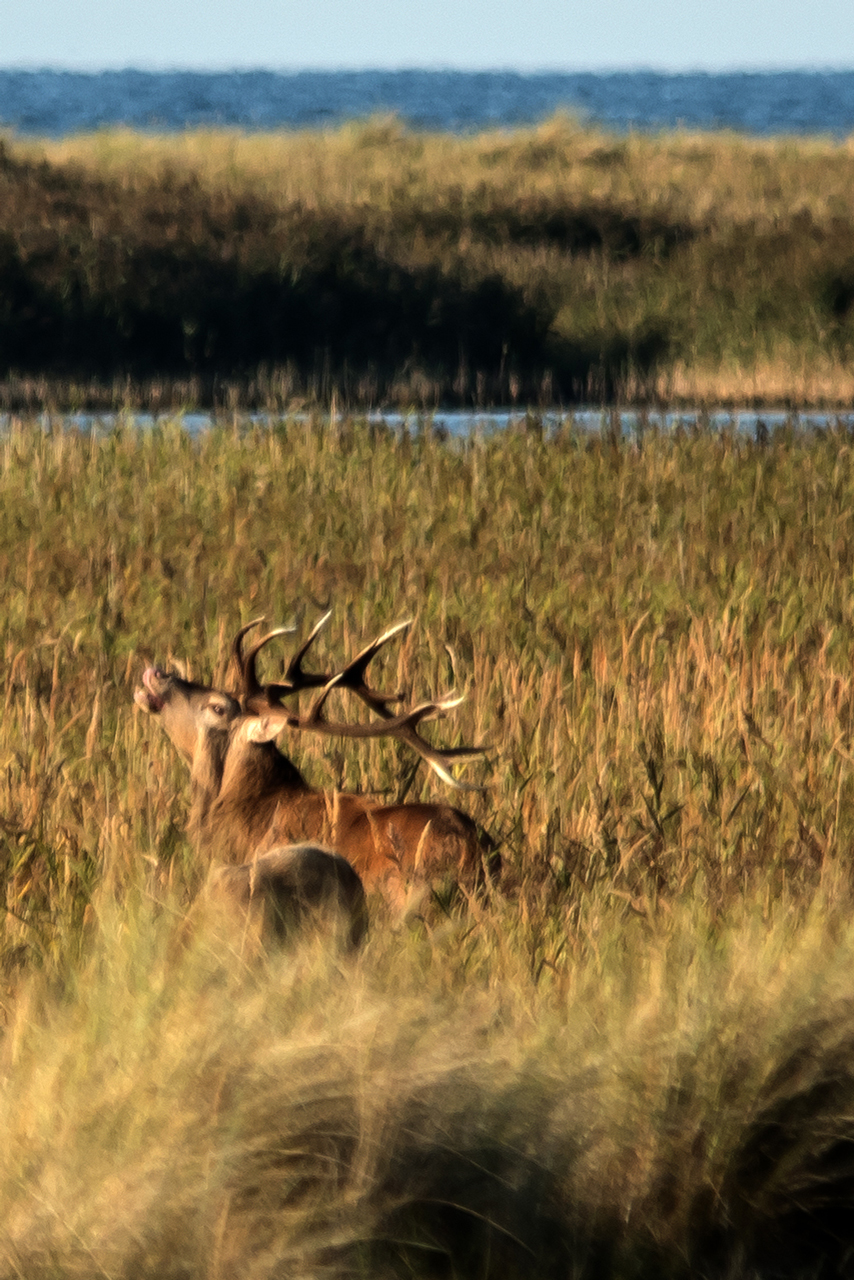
{"x":150,"y":698}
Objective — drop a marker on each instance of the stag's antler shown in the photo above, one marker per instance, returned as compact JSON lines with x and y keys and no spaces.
{"x":248,"y":685}
{"x":264,"y":700}
{"x":296,"y":680}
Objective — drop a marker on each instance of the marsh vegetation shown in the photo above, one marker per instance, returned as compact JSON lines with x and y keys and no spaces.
{"x":381,"y":266}
{"x":635,"y":1057}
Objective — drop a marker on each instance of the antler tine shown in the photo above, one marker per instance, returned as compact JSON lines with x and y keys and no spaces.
{"x":237,"y":643}
{"x":237,"y":646}
{"x":439,"y":759}
{"x":295,"y":676}
{"x":403,"y":727}
{"x":251,"y":683}
{"x":353,"y":675}
{"x":256,"y":694}
{"x":245,"y":662}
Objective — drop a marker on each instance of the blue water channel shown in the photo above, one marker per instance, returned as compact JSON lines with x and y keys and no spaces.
{"x":462,"y":424}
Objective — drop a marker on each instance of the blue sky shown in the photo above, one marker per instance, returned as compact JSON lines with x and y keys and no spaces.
{"x":669,"y":35}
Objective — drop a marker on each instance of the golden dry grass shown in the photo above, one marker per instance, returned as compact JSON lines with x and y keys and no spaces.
{"x":635,"y":1057}
{"x":693,"y":175}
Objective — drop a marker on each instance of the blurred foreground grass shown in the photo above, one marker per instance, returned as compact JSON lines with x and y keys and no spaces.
{"x":678,"y":1102}
{"x":636,"y":1058}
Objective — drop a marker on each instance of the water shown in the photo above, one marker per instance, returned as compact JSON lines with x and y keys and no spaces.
{"x":53,"y":103}
{"x":459,"y":424}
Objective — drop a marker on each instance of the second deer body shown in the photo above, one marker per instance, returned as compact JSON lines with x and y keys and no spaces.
{"x":282,"y":894}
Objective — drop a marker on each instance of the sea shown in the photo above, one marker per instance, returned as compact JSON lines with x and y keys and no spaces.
{"x":52,"y":103}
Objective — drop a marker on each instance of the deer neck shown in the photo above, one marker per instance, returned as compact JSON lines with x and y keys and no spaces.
{"x":255,"y":779}
{"x":260,"y":769}
{"x":207,"y":766}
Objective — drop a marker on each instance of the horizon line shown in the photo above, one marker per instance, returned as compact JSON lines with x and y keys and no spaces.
{"x":639,"y":68}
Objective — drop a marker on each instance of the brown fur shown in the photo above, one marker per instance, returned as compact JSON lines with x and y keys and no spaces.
{"x":248,"y":798}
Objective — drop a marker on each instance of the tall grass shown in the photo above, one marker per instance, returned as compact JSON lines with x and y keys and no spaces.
{"x":676,"y":1102}
{"x":632,"y":1058}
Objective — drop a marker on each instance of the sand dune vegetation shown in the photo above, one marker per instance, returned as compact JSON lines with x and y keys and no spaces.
{"x":634,"y":1057}
{"x":380,"y":266}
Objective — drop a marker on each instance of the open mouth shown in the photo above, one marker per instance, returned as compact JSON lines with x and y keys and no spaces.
{"x":147,"y":698}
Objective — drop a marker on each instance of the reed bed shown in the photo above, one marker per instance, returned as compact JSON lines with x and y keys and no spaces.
{"x":632,"y":1057}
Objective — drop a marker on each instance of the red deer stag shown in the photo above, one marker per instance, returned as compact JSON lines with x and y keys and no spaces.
{"x":248,"y":798}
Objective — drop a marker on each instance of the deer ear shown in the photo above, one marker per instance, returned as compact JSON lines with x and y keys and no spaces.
{"x":262,"y":728}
